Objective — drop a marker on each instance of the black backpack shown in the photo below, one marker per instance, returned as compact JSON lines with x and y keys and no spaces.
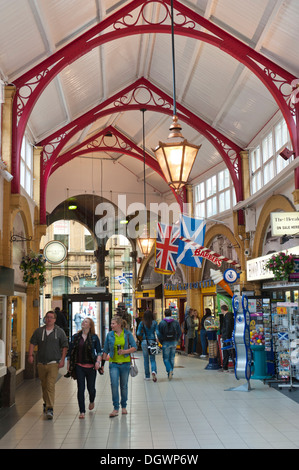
{"x":170,"y":332}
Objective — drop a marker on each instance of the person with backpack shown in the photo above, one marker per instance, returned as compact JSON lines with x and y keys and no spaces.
{"x":169,"y":333}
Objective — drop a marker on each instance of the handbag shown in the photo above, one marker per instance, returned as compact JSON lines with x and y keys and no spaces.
{"x":152,"y":345}
{"x":133,"y":367}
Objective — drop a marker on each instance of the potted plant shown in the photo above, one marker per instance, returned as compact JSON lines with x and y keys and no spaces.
{"x":33,"y":266}
{"x":281,"y":265}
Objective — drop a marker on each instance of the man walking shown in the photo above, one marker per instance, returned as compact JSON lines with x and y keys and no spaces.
{"x":169,"y":333}
{"x":52,"y":346}
{"x":226,"y":333}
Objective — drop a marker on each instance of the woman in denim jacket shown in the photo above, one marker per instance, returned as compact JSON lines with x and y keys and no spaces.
{"x":147,"y":329}
{"x":119,"y":344}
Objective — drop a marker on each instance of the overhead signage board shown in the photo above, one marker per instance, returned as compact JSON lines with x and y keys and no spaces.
{"x":284,"y":223}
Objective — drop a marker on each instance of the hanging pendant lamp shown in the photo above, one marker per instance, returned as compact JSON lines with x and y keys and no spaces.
{"x":176,"y":157}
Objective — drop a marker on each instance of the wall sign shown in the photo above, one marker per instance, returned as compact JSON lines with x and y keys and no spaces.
{"x":284,"y":223}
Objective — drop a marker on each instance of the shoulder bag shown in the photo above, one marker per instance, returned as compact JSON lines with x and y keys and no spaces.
{"x":152,"y":344}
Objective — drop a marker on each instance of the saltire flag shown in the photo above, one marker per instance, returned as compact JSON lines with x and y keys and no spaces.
{"x":121,"y":279}
{"x":194,"y":231}
{"x":167,"y":245}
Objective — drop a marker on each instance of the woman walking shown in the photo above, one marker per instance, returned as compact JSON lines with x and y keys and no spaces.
{"x":119,"y":344}
{"x":84,"y":360}
{"x":147,"y":329}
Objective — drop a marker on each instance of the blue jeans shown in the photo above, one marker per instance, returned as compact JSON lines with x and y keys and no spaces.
{"x":88,"y":374}
{"x":203,"y":340}
{"x":146,"y":358}
{"x":168,"y":353}
{"x":119,"y":377}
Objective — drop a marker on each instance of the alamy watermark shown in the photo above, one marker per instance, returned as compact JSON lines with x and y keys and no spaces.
{"x":136,"y":215}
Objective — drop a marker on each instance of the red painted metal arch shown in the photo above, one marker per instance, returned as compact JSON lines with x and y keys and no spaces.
{"x":81,"y":46}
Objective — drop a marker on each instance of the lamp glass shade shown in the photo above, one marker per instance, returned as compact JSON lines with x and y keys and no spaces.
{"x":145,"y":243}
{"x":176,"y":161}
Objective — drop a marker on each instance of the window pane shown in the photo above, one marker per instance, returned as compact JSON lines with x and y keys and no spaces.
{"x":199,"y":192}
{"x":267,"y":147}
{"x":268,"y":172}
{"x":200,"y":209}
{"x":224,"y":201}
{"x":22,"y":174}
{"x":223,"y":180}
{"x":255,"y":158}
{"x":256,"y":182}
{"x":28,"y":183}
{"x":89,"y":243}
{"x":211,"y":186}
{"x":63,"y":239}
{"x":29,"y":155}
{"x":281,"y":163}
{"x":211,"y":206}
{"x":281,"y":135}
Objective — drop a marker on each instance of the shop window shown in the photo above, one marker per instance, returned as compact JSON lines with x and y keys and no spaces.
{"x":17,"y":332}
{"x":61,"y":285}
{"x":2,"y":333}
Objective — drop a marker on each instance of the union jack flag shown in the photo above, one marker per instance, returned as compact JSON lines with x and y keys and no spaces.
{"x":167,"y":245}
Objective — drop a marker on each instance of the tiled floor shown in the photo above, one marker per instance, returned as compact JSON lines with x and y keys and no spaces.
{"x":193,"y":411}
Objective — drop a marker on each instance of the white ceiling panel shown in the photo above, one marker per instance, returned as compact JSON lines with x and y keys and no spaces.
{"x":20,"y":39}
{"x":66,"y":19}
{"x":49,"y":113}
{"x":210,"y":83}
{"x":82,"y":83}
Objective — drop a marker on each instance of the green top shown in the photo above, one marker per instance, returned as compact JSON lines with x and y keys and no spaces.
{"x":119,"y":341}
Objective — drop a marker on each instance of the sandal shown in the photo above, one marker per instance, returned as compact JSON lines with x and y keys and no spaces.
{"x":91,"y":406}
{"x":113,"y":414}
{"x":81,"y":415}
{"x":124,"y":411}
{"x":154,"y":375}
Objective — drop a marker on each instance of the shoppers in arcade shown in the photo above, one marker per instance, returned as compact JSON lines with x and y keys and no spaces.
{"x":84,"y":360}
{"x":195,"y":341}
{"x":169,"y":333}
{"x":226,"y":333}
{"x":147,"y":329}
{"x":190,"y":331}
{"x":203,"y":332}
{"x":52,"y":346}
{"x":119,"y":344}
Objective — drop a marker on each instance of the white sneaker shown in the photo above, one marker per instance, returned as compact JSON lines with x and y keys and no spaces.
{"x":154,"y":375}
{"x":147,"y":378}
{"x":203,"y":355}
{"x":170,"y":374}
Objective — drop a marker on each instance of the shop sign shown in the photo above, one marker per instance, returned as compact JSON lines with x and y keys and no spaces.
{"x":284,"y":223}
{"x":256,"y":269}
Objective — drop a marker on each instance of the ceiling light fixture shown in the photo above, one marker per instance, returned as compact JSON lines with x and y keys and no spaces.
{"x":144,"y":241}
{"x":177,"y":157}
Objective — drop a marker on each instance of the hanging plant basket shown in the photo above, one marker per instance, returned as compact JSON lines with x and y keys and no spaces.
{"x":281,"y":265}
{"x":33,"y":266}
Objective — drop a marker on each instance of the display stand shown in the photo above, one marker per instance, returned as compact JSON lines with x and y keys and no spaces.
{"x":241,"y":339}
{"x":286,"y":338}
